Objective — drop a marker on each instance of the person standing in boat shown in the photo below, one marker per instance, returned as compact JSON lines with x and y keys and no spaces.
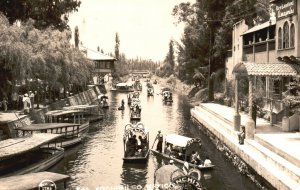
{"x":195,"y":158}
{"x":159,"y":137}
{"x":185,"y":168}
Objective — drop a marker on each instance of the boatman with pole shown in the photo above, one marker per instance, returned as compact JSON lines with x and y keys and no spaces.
{"x":159,"y":137}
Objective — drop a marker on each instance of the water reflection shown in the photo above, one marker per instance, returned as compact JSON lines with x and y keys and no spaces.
{"x":134,"y":174}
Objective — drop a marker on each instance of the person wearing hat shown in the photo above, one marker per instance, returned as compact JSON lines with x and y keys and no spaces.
{"x":171,"y":162}
{"x":26,"y":103}
{"x":159,"y":137}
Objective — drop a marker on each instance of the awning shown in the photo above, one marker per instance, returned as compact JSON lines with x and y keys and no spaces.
{"x":177,"y":140}
{"x":267,"y":69}
{"x":259,"y":27}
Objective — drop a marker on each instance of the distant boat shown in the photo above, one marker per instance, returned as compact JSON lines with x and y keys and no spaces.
{"x":123,"y":87}
{"x":135,"y":109}
{"x":133,"y":152}
{"x":167,"y":95}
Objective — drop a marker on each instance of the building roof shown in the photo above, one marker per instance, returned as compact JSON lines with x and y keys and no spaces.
{"x":267,"y":69}
{"x":259,"y":27}
{"x":94,"y":55}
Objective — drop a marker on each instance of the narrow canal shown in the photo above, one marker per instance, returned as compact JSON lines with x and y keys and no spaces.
{"x":97,"y":162}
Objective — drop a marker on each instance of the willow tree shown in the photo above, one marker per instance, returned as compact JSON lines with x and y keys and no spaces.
{"x":45,"y":12}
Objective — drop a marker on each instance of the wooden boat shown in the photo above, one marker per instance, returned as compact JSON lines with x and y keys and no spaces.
{"x":123,"y":87}
{"x":132,"y":152}
{"x":70,"y":123}
{"x":150,"y":91}
{"x":167,"y":95}
{"x":35,"y":181}
{"x":138,"y":86}
{"x":71,"y":133}
{"x":92,"y":112}
{"x":103,"y":101}
{"x":28,"y":154}
{"x":135,"y":109}
{"x":186,"y":146}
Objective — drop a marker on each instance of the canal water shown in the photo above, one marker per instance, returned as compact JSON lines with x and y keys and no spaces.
{"x":97,"y":162}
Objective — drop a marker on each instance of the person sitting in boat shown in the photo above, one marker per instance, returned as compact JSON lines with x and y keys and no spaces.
{"x":180,"y":154}
{"x":169,"y":149}
{"x":207,"y":162}
{"x":165,"y":95}
{"x":195,"y":159}
{"x":159,"y":137}
{"x":131,"y":146}
{"x":143,"y":143}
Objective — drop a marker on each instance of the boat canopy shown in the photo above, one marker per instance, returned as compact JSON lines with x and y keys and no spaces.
{"x":16,"y":146}
{"x":166,"y":89}
{"x":44,"y":126}
{"x":124,"y":84}
{"x":31,"y":180}
{"x":138,"y":128}
{"x":177,"y":140}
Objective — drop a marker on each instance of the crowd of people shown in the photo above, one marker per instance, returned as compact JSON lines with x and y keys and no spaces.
{"x":135,"y":146}
{"x":19,"y":102}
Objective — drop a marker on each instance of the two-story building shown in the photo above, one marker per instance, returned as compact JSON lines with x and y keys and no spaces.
{"x":104,"y":65}
{"x":269,"y":55}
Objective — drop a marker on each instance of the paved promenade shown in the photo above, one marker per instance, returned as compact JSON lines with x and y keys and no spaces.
{"x":273,"y":154}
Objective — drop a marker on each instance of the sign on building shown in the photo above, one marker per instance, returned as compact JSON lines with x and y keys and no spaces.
{"x":285,"y":8}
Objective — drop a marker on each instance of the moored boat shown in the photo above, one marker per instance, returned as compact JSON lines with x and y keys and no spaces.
{"x":134,"y":151}
{"x":180,"y":149}
{"x":28,"y":154}
{"x":123,"y":87}
{"x":39,"y":180}
{"x":71,"y":133}
{"x":70,"y":123}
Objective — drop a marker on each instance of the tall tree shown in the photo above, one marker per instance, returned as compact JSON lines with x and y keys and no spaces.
{"x":171,"y":57}
{"x":207,"y":34}
{"x":45,"y":12}
{"x":76,"y":36}
{"x":117,"y":46}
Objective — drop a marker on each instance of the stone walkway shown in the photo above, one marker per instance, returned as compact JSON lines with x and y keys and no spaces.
{"x":272,"y":153}
{"x":285,"y":142}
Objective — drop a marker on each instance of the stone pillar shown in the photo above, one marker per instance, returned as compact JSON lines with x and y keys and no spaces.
{"x":237,"y":116}
{"x":250,"y":125}
{"x":285,"y":124}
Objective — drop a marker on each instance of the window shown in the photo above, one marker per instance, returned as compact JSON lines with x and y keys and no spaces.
{"x":292,"y":36}
{"x":279,"y":38}
{"x":286,"y":35}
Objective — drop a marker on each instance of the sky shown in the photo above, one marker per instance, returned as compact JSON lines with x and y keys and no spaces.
{"x":145,"y":27}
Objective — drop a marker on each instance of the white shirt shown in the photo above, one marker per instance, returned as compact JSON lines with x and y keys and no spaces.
{"x":207,"y":162}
